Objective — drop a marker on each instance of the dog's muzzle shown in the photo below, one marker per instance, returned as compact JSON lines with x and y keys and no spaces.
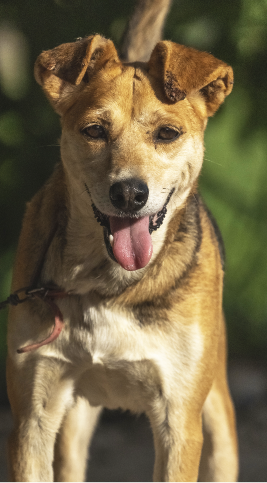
{"x":128,"y":238}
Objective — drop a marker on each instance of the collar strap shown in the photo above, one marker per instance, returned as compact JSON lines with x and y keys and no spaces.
{"x":47,"y":295}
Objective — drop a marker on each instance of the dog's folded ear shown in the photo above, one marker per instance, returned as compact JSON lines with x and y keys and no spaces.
{"x":64,"y":71}
{"x":184,"y":71}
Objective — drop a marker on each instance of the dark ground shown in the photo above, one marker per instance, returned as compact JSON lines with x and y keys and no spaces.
{"x":122,"y":448}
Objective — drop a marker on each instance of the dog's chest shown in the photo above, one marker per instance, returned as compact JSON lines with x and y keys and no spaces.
{"x":120,"y":363}
{"x":125,"y":364}
{"x":115,"y":335}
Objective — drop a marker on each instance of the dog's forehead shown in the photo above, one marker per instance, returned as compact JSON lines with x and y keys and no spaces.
{"x":131,"y":88}
{"x":131,"y":94}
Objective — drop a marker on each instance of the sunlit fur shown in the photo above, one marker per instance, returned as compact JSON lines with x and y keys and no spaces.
{"x":150,"y":340}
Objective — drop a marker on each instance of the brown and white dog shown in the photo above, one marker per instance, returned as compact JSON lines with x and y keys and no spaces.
{"x":126,"y":257}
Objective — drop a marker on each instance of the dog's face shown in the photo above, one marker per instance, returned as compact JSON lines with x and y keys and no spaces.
{"x":132,"y":135}
{"x":132,"y":152}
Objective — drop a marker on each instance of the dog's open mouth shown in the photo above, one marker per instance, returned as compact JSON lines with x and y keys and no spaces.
{"x":128,"y":239}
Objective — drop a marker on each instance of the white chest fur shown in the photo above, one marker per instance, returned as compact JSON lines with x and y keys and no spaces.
{"x":123,"y":363}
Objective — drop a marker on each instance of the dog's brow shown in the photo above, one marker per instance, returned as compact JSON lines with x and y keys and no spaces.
{"x":98,"y":115}
{"x":103,"y":113}
{"x":158,"y":117}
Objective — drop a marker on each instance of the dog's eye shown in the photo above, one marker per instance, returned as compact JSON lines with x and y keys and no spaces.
{"x":167,"y":134}
{"x":95,"y":131}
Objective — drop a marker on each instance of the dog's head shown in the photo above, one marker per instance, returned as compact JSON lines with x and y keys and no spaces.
{"x":132,"y":134}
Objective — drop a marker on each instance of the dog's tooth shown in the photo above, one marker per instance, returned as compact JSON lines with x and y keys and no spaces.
{"x":111,"y":240}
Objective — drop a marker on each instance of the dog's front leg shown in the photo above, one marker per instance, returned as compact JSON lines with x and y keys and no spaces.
{"x":178,"y":442}
{"x":71,"y":450}
{"x":40,"y":391}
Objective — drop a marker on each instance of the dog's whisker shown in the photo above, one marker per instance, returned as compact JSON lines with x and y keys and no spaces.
{"x":84,"y":191}
{"x":213,"y":162}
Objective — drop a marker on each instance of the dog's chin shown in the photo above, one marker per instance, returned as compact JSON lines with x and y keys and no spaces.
{"x":128,"y":239}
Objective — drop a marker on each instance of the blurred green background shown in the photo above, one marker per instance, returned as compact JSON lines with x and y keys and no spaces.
{"x":234,"y":177}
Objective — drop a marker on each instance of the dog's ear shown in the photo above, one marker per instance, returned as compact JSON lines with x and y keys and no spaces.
{"x":184,"y":71}
{"x":64,"y":70}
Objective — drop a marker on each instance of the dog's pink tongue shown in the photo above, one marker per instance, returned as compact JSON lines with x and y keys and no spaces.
{"x":132,"y":244}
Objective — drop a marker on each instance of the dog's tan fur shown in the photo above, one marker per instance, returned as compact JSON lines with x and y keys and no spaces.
{"x":149,"y":340}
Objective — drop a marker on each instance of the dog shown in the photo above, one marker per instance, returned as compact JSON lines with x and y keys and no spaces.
{"x":121,"y":264}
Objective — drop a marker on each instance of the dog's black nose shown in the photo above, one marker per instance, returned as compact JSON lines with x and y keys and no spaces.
{"x":129,"y":195}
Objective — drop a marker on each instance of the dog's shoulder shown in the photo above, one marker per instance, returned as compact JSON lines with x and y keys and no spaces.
{"x":46,"y":215}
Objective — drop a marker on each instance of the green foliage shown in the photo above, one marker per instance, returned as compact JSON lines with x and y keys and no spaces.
{"x":233,"y":179}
